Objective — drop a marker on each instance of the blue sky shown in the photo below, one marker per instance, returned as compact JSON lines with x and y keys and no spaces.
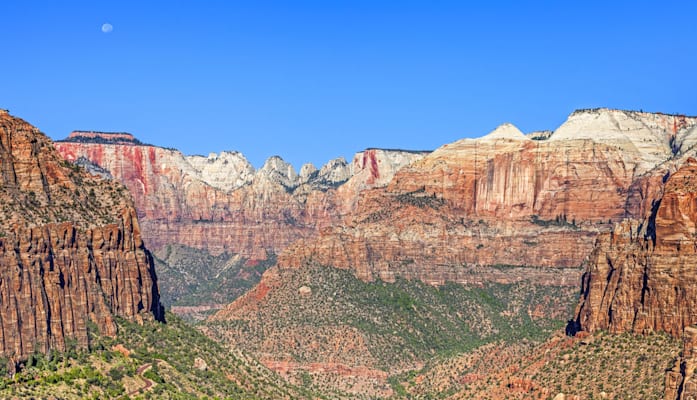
{"x":313,"y":80}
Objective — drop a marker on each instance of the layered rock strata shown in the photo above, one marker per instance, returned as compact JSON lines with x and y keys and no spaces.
{"x":505,"y":199}
{"x":641,"y":276}
{"x":220,"y":203}
{"x":499,"y":209}
{"x":71,"y":254}
{"x":681,"y":383}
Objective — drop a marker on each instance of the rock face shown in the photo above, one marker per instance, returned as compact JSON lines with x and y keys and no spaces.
{"x":641,"y":276}
{"x":680,"y":380}
{"x":501,"y":199}
{"x":102,"y":137}
{"x":221,"y":204}
{"x":500,"y":209}
{"x":226,"y":171}
{"x":505,"y":199}
{"x":70,"y":249}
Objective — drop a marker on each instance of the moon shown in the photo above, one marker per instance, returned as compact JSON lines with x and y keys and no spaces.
{"x":106,"y":28}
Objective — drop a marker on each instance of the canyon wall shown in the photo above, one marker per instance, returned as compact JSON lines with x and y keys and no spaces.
{"x":641,"y":276}
{"x":219,"y":203}
{"x":681,"y":383}
{"x":71,"y":252}
{"x":505,"y":199}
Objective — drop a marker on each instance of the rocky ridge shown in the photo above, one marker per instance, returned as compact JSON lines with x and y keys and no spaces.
{"x":350,"y":335}
{"x":70,"y":249}
{"x":102,"y":137}
{"x":680,"y":381}
{"x":640,"y":277}
{"x":505,"y":199}
{"x":473,"y":208}
{"x":221,"y":204}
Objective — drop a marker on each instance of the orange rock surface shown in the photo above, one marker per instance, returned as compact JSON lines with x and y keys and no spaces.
{"x":641,"y":276}
{"x":504,"y":199}
{"x":221,"y":204}
{"x":681,"y":383}
{"x":70,"y":249}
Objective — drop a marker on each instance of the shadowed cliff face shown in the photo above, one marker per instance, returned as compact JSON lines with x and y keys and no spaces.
{"x":642,"y":276}
{"x":680,"y":381}
{"x":70,"y":249}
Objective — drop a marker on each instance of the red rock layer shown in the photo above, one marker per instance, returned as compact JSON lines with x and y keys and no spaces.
{"x":681,"y":383}
{"x":505,"y":199}
{"x":70,"y":249}
{"x":641,"y":277}
{"x":580,"y":179}
{"x":261,"y":215}
{"x":57,"y":277}
{"x":532,"y":196}
{"x":109,"y":136}
{"x":481,"y":202}
{"x":436,"y":246}
{"x":176,"y":207}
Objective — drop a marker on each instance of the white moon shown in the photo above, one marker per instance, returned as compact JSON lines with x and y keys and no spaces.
{"x":106,"y":28}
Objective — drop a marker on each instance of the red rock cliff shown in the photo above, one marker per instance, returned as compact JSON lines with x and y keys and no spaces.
{"x":681,"y":383}
{"x":503,"y":199}
{"x":642,"y":276}
{"x":221,"y":204}
{"x":70,"y":249}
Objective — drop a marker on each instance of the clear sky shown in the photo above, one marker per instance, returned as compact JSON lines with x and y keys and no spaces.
{"x":313,"y":80}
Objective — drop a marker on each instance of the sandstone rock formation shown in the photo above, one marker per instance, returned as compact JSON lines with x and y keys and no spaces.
{"x":226,"y":171}
{"x":221,"y":204}
{"x":505,"y":199}
{"x":71,"y":253}
{"x":102,"y":137}
{"x":503,"y":209}
{"x":501,"y":199}
{"x":680,"y":380}
{"x":641,"y":276}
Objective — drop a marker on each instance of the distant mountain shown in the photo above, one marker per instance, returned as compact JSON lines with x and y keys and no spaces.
{"x":219,"y":204}
{"x":371,"y":255}
{"x":102,"y":137}
{"x":499,"y":210}
{"x":505,"y":199}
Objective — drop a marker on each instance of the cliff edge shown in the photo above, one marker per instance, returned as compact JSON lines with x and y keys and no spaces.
{"x":71,"y":254}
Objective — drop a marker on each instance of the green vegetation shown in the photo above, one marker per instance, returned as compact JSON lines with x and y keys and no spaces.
{"x":192,"y":277}
{"x":104,"y":139}
{"x":625,"y":366}
{"x":419,"y":198}
{"x":152,"y":360}
{"x":559,"y":220}
{"x":401,"y":323}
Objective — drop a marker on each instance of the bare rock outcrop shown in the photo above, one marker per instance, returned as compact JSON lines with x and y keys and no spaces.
{"x":225,"y":171}
{"x":505,"y":199}
{"x":641,"y":276}
{"x":71,"y":252}
{"x":681,"y":383}
{"x":219,"y":203}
